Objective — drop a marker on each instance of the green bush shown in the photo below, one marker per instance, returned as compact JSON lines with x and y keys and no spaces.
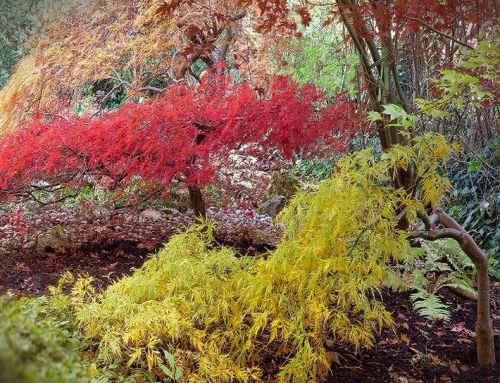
{"x":475,"y":201}
{"x":37,"y":344}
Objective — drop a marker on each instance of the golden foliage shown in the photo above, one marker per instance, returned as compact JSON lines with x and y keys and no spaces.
{"x":215,"y":311}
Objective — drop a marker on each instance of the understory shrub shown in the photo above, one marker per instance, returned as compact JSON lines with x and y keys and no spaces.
{"x":215,"y":312}
{"x":475,"y":200}
{"x":37,"y":344}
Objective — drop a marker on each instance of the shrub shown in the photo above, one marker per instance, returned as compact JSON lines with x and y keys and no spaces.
{"x":202,"y":313}
{"x":214,"y":311}
{"x":36,"y":343}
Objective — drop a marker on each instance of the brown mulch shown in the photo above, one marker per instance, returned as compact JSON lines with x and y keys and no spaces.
{"x":421,"y":351}
{"x":102,"y":244}
{"x":107,"y":245}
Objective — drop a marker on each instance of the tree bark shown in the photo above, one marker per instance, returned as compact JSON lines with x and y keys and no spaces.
{"x":197,"y":202}
{"x":484,"y":330}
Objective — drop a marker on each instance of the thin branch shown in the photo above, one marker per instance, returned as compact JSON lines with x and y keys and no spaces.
{"x":442,"y":34}
{"x":487,"y":165}
{"x":153,"y":88}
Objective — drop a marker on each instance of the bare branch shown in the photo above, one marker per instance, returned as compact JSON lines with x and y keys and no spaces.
{"x":442,"y":34}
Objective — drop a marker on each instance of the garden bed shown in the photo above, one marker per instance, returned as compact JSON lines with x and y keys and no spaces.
{"x":111,"y":244}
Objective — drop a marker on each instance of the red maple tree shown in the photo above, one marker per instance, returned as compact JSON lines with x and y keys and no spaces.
{"x":175,"y":137}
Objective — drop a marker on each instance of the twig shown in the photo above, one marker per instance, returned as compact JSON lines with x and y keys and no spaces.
{"x":440,"y":33}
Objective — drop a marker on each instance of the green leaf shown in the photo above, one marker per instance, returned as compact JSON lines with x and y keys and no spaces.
{"x":167,"y":371}
{"x":474,"y":166}
{"x":169,"y":357}
{"x":394,"y":111}
{"x":374,"y":116}
{"x":178,"y":373}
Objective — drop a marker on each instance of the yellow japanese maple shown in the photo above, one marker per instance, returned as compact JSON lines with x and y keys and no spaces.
{"x":215,"y":312}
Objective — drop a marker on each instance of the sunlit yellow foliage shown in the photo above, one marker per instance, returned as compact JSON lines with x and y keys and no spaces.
{"x":215,"y":311}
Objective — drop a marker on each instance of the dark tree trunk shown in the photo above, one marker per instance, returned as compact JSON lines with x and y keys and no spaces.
{"x":197,"y":202}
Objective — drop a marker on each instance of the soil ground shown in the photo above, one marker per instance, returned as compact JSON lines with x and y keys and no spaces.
{"x":36,"y":252}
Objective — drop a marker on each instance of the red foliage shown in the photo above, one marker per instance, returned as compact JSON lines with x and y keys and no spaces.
{"x":175,"y":137}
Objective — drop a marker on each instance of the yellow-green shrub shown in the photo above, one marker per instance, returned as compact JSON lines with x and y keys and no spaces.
{"x":214,"y":311}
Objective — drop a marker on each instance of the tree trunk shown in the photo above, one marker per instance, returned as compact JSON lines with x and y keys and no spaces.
{"x":197,"y":202}
{"x":484,"y":329}
{"x":376,"y":72}
{"x":485,"y":344}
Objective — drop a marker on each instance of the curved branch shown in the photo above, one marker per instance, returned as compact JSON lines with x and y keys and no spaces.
{"x":432,"y":235}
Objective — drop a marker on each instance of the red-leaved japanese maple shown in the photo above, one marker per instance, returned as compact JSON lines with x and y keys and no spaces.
{"x":175,"y":137}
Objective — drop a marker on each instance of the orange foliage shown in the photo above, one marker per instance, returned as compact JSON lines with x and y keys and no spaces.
{"x":93,"y":40}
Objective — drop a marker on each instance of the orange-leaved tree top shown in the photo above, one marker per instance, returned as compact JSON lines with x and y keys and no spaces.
{"x":141,"y":46}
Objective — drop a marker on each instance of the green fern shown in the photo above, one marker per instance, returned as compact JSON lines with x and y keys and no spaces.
{"x":429,"y":305}
{"x":454,"y":269}
{"x":457,"y":280}
{"x":449,"y":251}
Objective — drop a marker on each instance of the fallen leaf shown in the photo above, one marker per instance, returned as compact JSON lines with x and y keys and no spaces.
{"x":147,"y":245}
{"x":21,"y":266}
{"x":445,"y":379}
{"x":440,"y":333}
{"x":394,"y":340}
{"x":444,"y":345}
{"x":110,"y":267}
{"x":404,"y":338}
{"x":435,"y":360}
{"x":333,"y":357}
{"x":404,"y":325}
{"x":464,"y":368}
{"x":454,"y":366}
{"x":461,"y":329}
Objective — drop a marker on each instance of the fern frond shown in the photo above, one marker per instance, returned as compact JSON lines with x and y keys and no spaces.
{"x":430,"y":306}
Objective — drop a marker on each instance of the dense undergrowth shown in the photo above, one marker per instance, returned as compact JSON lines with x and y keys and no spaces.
{"x":37,"y":343}
{"x":475,"y":200}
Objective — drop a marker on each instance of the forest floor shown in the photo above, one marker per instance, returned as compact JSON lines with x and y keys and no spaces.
{"x":37,"y":249}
